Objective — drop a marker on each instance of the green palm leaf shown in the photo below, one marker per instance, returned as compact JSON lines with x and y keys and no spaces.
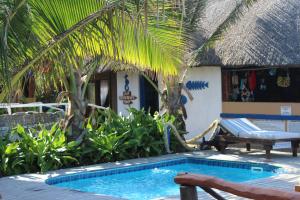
{"x":68,"y":32}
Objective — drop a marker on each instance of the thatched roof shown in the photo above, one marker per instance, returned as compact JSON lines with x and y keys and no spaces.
{"x":268,"y":34}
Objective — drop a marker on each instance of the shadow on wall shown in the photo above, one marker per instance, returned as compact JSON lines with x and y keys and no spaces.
{"x":276,"y":38}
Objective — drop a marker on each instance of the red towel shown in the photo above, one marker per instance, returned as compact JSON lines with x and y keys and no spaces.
{"x":252,"y":81}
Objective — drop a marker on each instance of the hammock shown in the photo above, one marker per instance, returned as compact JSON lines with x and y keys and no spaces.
{"x":188,"y":143}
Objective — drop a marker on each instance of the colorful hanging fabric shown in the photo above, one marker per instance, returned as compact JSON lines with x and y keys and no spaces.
{"x":245,"y":95}
{"x":235,"y":93}
{"x":272,"y":72}
{"x":252,"y":81}
{"x":284,"y":81}
{"x":242,"y":83}
{"x":263,"y":85}
{"x":235,"y":79}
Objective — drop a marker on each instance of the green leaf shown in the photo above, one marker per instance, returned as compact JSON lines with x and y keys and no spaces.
{"x":20,"y":129}
{"x":11,"y":148}
{"x":70,"y":158}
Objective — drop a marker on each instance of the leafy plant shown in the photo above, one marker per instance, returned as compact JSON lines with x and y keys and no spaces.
{"x":109,"y":137}
{"x":175,"y":145}
{"x":35,"y":150}
{"x":8,"y":151}
{"x":112,"y":137}
{"x":148,"y":138}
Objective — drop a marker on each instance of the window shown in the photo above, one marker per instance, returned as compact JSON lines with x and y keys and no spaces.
{"x":269,"y":85}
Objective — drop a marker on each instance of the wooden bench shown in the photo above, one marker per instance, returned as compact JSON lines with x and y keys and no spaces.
{"x":189,"y":182}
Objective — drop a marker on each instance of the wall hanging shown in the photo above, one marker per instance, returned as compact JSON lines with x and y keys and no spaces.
{"x":183,"y":99}
{"x":197,"y":85}
{"x":127,"y":98}
{"x":284,"y":81}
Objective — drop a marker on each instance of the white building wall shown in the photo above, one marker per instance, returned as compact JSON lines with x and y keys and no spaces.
{"x":133,"y":87}
{"x":207,"y":103}
{"x":202,"y":111}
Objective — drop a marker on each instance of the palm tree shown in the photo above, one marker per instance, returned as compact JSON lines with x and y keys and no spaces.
{"x":74,"y":37}
{"x":173,"y":85}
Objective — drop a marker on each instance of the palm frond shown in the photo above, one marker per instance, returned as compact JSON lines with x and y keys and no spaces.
{"x":194,"y":13}
{"x":69,"y":32}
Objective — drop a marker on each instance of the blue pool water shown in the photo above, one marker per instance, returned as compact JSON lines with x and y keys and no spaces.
{"x":157,"y":180}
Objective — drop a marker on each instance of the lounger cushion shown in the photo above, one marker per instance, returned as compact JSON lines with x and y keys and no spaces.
{"x":244,"y":128}
{"x":238,"y":125}
{"x":269,"y":135}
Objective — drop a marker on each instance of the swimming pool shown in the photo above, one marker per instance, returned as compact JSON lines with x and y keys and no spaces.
{"x":154,"y":180}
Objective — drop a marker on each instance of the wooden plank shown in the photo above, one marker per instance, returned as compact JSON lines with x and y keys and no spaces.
{"x":253,"y":140}
{"x":238,"y":189}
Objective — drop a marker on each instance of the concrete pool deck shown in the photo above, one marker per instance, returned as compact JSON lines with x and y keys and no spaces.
{"x":33,"y":186}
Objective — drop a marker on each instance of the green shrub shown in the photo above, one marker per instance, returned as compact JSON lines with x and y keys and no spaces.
{"x":112,"y":137}
{"x":109,"y":137}
{"x":35,"y":151}
{"x":6,"y":156}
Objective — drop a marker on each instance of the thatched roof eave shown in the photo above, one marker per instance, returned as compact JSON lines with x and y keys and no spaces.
{"x":249,"y":67}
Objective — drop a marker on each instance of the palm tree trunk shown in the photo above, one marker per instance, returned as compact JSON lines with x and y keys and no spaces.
{"x":171,"y":100}
{"x":76,"y":119}
{"x":174,"y":96}
{"x":78,"y":106}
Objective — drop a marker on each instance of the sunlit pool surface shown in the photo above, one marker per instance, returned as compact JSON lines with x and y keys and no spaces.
{"x":150,"y":181}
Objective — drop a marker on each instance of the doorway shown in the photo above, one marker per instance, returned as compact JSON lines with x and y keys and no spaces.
{"x":148,"y":96}
{"x":106,"y":89}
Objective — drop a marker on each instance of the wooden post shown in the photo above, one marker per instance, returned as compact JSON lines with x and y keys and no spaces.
{"x":188,"y":192}
{"x":223,"y":147}
{"x":286,"y":125}
{"x":295,"y":145}
{"x":268,"y":149}
{"x":297,"y":188}
{"x":248,"y":147}
{"x":9,"y":110}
